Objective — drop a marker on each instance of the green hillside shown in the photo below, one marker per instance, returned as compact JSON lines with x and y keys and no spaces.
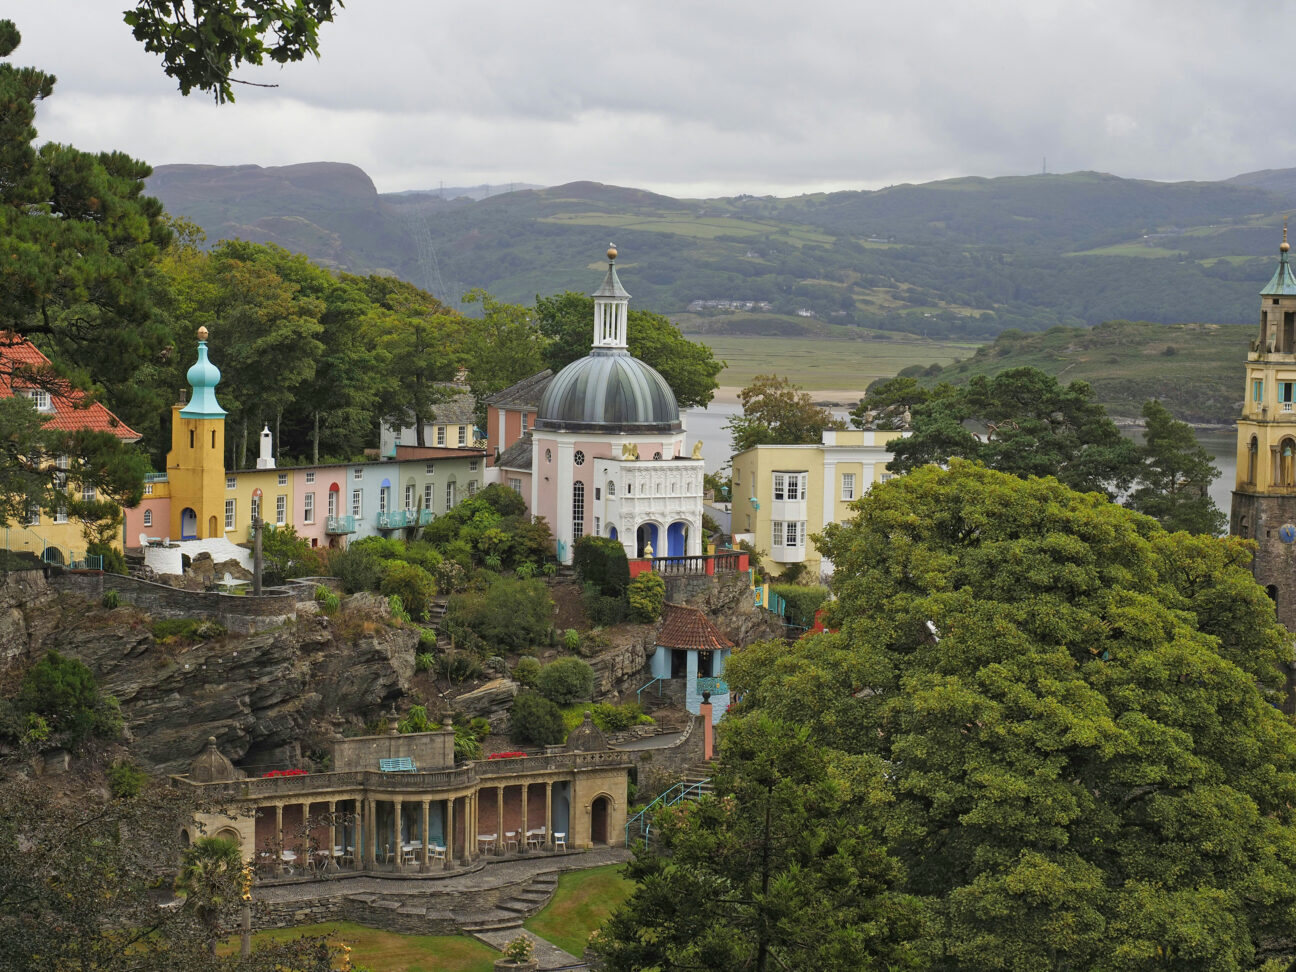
{"x":1196,"y":370}
{"x":962,"y":258}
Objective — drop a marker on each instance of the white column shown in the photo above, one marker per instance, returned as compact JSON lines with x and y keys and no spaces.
{"x":829,"y":496}
{"x":560,"y":473}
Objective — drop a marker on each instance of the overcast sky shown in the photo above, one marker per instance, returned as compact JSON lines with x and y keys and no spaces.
{"x":701,"y":97}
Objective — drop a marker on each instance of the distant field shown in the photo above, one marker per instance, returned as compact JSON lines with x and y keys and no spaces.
{"x":686,"y":224}
{"x":825,"y":363}
{"x":1130,"y":250}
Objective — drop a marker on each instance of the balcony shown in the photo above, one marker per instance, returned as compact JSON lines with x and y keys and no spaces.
{"x":340,"y":524}
{"x":400,"y":519}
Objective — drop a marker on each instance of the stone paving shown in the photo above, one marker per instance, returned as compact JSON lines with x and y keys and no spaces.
{"x":493,"y":875}
{"x":550,"y":956}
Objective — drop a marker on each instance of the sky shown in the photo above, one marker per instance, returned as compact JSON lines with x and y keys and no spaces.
{"x":704,"y":97}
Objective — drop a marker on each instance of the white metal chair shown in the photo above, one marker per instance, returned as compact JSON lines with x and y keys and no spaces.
{"x":510,"y":840}
{"x":560,"y":840}
{"x":438,"y":853}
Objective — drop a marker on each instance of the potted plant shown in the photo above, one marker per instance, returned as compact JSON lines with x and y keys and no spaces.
{"x":519,"y":954}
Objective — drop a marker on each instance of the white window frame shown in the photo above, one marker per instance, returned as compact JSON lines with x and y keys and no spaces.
{"x":148,"y":518}
{"x":472,"y":488}
{"x":515,"y":485}
{"x":231,"y":482}
{"x":357,"y":503}
{"x":310,"y":479}
{"x":41,"y":399}
{"x":410,"y":492}
{"x":308,"y":508}
{"x":256,"y":508}
{"x":429,"y":469}
{"x":450,"y":491}
{"x":357,"y":474}
{"x":429,"y":494}
{"x":332,"y":502}
{"x":472,"y":466}
{"x":776,"y":533}
{"x":231,"y":508}
{"x":463,"y":436}
{"x":848,"y":486}
{"x":384,"y":494}
{"x":87,"y":493}
{"x":441,"y":438}
{"x":283,"y":479}
{"x":281,"y":509}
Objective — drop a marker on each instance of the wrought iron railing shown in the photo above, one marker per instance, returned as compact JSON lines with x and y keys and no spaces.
{"x":640,"y":825}
{"x":340,"y":524}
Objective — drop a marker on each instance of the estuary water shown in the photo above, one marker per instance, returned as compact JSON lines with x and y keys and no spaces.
{"x":708,"y":424}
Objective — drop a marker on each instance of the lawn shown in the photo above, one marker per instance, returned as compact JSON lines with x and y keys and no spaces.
{"x":818,"y":363}
{"x":389,"y":952}
{"x":581,"y":904}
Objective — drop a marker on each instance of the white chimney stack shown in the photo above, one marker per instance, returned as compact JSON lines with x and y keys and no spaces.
{"x":266,"y":459}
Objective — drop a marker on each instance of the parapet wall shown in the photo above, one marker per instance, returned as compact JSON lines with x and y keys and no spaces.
{"x":239,"y":613}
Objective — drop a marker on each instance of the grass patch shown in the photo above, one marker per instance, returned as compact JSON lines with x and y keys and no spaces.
{"x":389,"y":952}
{"x":583,"y":901}
{"x":823,"y":363}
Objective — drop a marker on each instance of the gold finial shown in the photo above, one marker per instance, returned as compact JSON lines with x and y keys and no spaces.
{"x":612,"y":251}
{"x":202,"y":334}
{"x":1285,"y":247}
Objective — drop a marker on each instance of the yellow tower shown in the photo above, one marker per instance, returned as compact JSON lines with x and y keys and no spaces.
{"x":196,"y":462}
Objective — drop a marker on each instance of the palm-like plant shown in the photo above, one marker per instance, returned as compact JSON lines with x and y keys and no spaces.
{"x":211,"y":878}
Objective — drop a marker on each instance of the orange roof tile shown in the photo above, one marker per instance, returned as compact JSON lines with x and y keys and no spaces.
{"x":687,"y":627}
{"x":73,"y":410}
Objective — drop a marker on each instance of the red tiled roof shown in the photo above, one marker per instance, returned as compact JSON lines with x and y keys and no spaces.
{"x":686,"y":627}
{"x":72,"y":409}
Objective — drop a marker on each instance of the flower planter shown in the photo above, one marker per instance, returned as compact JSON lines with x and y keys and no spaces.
{"x":528,"y":966}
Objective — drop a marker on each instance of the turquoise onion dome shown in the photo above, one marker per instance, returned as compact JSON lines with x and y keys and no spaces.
{"x":203,"y":378}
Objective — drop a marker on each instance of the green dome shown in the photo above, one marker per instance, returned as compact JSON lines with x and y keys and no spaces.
{"x":203,"y":378}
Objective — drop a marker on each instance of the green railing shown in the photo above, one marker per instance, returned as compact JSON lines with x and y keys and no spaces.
{"x":640,"y":825}
{"x":340,"y":524}
{"x":393,"y":520}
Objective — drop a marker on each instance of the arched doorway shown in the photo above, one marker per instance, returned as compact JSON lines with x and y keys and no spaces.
{"x":676,"y":539}
{"x":211,"y":526}
{"x":646,"y":536}
{"x":612,"y":533}
{"x":188,"y":524}
{"x":52,"y":555}
{"x":599,"y":820}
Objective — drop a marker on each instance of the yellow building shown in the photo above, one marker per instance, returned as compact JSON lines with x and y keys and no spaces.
{"x":782,"y":494}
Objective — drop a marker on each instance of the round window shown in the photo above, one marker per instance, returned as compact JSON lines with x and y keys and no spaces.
{"x":656,"y":455}
{"x":548,"y":455}
{"x":580,"y":458}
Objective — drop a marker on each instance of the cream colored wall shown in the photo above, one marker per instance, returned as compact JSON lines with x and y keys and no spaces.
{"x":587,"y":786}
{"x":210,"y":824}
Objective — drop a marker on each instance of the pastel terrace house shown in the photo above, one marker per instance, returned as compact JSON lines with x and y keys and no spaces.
{"x":24,"y":371}
{"x":783,"y":494}
{"x":400,"y":803}
{"x":205,"y":506}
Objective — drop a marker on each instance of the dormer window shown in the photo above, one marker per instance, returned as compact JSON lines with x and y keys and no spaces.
{"x":41,"y":399}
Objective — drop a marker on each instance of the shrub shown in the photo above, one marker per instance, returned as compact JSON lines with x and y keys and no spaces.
{"x":792,"y":574}
{"x":459,"y":666}
{"x":466,"y":747}
{"x":63,"y":697}
{"x":566,"y":680}
{"x":416,"y":720}
{"x":479,"y":726}
{"x":608,"y":717}
{"x":284,"y":555}
{"x":504,"y":501}
{"x":571,"y":639}
{"x":412,"y":584}
{"x":601,"y":561}
{"x":646,"y":594}
{"x":125,"y":780}
{"x":511,"y":614}
{"x":111,"y":599}
{"x":526,"y":671}
{"x":424,"y":661}
{"x":526,"y":570}
{"x":604,"y":611}
{"x":451,"y":577}
{"x":427,"y":638}
{"x":322,"y":591}
{"x":114,"y":561}
{"x":357,"y":567}
{"x":331,"y":603}
{"x":802,"y":602}
{"x":535,"y":720}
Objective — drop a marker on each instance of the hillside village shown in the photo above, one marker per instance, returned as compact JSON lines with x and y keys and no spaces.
{"x":355,"y":619}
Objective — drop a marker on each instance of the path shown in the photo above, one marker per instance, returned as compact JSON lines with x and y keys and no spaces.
{"x":663,"y":741}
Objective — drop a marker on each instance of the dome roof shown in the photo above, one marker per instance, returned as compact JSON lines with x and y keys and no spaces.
{"x":608,"y":390}
{"x":203,"y":377}
{"x":211,"y":766}
{"x":586,"y":738}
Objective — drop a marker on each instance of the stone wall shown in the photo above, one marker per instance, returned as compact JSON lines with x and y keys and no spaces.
{"x":429,"y":750}
{"x":239,"y":613}
{"x":670,"y":761}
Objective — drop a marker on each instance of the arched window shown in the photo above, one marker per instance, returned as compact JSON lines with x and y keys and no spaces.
{"x":1287,"y":463}
{"x":578,"y":510}
{"x":611,"y":488}
{"x":1252,"y":452}
{"x":148,"y":518}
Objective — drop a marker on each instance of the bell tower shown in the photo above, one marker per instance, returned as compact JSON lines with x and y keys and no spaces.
{"x":196,"y":462}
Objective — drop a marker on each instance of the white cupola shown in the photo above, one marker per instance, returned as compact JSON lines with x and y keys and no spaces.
{"x":611,"y":303}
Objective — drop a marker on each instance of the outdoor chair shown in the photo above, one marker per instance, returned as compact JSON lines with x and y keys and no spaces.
{"x":560,"y":840}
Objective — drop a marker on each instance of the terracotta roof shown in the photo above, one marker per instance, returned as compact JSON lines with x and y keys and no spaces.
{"x":523,"y":394}
{"x":687,"y":627}
{"x":23,"y":366}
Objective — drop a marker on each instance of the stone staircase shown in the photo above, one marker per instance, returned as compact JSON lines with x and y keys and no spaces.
{"x":698,"y":776}
{"x":510,"y":912}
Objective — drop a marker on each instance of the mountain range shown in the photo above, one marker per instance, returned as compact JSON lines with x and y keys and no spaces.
{"x":966,"y":257}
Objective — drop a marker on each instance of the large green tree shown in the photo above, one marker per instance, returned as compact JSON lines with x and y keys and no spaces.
{"x":689,"y":367}
{"x":1020,"y":421}
{"x":1176,"y":475}
{"x":783,"y":868}
{"x":1087,"y":765}
{"x":776,"y":411}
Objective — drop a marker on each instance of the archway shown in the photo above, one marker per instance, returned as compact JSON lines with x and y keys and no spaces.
{"x":676,"y":539}
{"x":211,"y":526}
{"x":1287,"y":463}
{"x":52,"y":555}
{"x":612,"y":533}
{"x":1252,"y":452}
{"x":599,"y":820}
{"x":188,"y":524}
{"x":646,"y":536}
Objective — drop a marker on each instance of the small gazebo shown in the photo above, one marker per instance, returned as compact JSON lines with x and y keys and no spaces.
{"x":691,"y":648}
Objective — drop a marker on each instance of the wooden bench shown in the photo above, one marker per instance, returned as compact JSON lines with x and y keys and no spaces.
{"x":398,"y":764}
